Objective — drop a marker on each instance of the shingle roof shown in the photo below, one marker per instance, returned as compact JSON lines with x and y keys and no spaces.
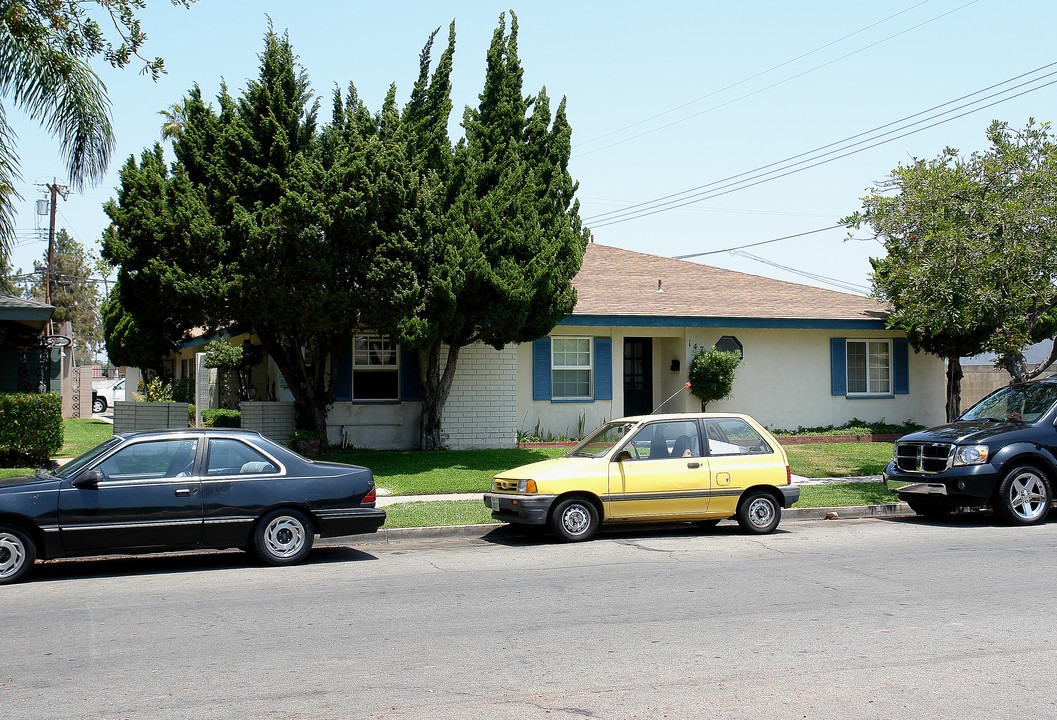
{"x":618,"y":282}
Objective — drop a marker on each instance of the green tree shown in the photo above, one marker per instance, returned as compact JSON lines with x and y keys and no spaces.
{"x":73,"y":293}
{"x":499,"y":237}
{"x":131,"y":342}
{"x":711,"y":374}
{"x":971,"y":244}
{"x":45,"y":50}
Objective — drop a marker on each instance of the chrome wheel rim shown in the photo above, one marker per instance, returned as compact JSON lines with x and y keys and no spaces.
{"x":576,"y":519}
{"x":12,"y":555}
{"x":1027,"y":496}
{"x":284,"y":537}
{"x":761,"y":512}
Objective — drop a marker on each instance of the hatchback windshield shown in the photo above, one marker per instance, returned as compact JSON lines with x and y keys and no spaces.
{"x":1026,"y":402}
{"x":602,"y":440}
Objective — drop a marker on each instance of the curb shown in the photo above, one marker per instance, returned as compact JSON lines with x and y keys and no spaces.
{"x":385,"y":536}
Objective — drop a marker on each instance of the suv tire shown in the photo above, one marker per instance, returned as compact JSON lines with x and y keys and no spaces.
{"x":1024,"y":496}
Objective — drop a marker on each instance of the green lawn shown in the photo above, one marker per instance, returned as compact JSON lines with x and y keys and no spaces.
{"x":82,"y":434}
{"x":838,"y":459}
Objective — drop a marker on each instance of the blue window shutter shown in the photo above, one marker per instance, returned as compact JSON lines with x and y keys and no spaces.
{"x":901,"y":366}
{"x":410,"y":388}
{"x":343,"y":386}
{"x":541,"y":369}
{"x":838,"y":366}
{"x":603,"y":368}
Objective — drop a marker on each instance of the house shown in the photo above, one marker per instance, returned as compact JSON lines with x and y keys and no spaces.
{"x":810,"y":357}
{"x":26,"y":366}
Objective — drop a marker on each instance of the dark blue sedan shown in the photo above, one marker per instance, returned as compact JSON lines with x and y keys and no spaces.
{"x":182,"y":489}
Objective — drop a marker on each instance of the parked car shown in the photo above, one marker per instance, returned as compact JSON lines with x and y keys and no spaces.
{"x":697,"y":467}
{"x":106,"y":394}
{"x":182,"y":489}
{"x":1001,"y":452}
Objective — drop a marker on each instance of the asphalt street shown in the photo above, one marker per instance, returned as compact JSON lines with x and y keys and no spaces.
{"x":871,"y":618}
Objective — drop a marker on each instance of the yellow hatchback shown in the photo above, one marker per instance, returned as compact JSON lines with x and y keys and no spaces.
{"x":697,"y":467}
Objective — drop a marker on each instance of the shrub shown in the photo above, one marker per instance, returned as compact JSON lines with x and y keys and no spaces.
{"x":712,"y":374}
{"x":30,"y":426}
{"x":221,"y":418}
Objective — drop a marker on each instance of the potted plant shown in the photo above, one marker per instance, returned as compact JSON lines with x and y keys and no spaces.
{"x":305,"y":442}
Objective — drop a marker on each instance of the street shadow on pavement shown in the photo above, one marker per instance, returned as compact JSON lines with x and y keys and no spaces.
{"x":175,"y":563}
{"x":514,"y":537}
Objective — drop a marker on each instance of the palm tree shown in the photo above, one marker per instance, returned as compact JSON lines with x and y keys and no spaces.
{"x":175,"y":118}
{"x":55,"y":86}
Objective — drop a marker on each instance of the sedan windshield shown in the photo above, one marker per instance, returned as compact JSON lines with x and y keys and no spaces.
{"x":1026,"y":402}
{"x":602,"y":440}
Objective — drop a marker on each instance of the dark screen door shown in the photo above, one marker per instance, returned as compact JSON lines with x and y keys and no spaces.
{"x":638,"y":376}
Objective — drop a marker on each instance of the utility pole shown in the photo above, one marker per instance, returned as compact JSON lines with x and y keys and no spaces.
{"x":55,"y":189}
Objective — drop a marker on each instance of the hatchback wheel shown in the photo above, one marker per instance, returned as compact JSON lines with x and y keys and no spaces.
{"x":1024,"y":496}
{"x":17,"y":554}
{"x":575,"y":519}
{"x":759,"y":513}
{"x":283,"y":537}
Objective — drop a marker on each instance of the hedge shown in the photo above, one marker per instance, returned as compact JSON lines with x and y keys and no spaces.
{"x":221,"y":418}
{"x":31,"y":425}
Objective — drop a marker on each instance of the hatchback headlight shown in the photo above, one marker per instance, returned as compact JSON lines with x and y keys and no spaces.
{"x":526,"y":486}
{"x":970,"y":455}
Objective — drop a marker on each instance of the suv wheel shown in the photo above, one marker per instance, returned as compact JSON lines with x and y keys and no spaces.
{"x":1024,"y":496}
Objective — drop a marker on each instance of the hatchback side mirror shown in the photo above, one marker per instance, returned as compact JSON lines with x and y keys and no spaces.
{"x":623,"y":455}
{"x":88,"y":479}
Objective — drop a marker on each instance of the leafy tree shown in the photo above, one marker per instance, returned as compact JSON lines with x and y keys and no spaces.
{"x":711,"y":374}
{"x":972,"y":250}
{"x":500,"y":238}
{"x":132,"y":342}
{"x":45,"y":49}
{"x":73,"y":293}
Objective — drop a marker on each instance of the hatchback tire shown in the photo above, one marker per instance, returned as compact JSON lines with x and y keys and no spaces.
{"x":574,"y":519}
{"x":759,"y":513}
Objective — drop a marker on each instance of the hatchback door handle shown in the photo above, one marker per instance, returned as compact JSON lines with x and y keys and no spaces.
{"x":693,"y":465}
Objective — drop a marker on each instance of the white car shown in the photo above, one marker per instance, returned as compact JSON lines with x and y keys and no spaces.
{"x":105,"y":395}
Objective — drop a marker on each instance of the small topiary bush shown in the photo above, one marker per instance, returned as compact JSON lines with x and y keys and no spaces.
{"x":30,"y":426}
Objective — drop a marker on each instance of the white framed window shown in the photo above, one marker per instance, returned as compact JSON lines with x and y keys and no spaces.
{"x":571,"y":367}
{"x":375,"y":368}
{"x":869,"y":365}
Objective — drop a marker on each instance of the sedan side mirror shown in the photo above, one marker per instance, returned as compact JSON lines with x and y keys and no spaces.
{"x":89,"y":479}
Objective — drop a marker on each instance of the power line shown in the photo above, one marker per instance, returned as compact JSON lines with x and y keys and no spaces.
{"x":768,"y":87}
{"x":841,"y":148}
{"x":755,"y":244}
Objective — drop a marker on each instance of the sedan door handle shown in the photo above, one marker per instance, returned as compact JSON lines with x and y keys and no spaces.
{"x":183,"y":492}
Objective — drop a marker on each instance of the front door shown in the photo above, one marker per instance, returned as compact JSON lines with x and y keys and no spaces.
{"x":664,"y":475}
{"x":638,"y":376}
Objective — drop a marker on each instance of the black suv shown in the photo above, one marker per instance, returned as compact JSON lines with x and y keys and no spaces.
{"x":1001,"y":452}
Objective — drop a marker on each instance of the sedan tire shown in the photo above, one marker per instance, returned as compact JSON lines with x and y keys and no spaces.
{"x":283,"y":537}
{"x":574,"y":519}
{"x":17,"y":554}
{"x":1024,"y":496}
{"x":759,"y":512}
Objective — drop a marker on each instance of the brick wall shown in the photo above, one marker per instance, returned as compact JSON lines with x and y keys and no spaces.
{"x":131,"y":416}
{"x":273,"y":420}
{"x":481,"y":411}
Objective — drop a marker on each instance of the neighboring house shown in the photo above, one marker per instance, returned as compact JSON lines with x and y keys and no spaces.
{"x":811,"y":357}
{"x":26,"y":365}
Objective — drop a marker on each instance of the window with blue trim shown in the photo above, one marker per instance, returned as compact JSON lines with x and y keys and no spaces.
{"x":375,"y":368}
{"x":869,"y":367}
{"x":571,"y":368}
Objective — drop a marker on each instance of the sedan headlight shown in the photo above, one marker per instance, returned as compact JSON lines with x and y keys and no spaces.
{"x":526,"y":486}
{"x":970,"y":455}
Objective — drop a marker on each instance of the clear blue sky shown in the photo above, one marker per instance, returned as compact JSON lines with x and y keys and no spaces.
{"x":663,"y":98}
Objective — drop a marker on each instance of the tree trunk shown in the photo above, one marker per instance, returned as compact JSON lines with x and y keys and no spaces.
{"x":954,"y":388}
{"x":1045,"y":364}
{"x":435,"y":388}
